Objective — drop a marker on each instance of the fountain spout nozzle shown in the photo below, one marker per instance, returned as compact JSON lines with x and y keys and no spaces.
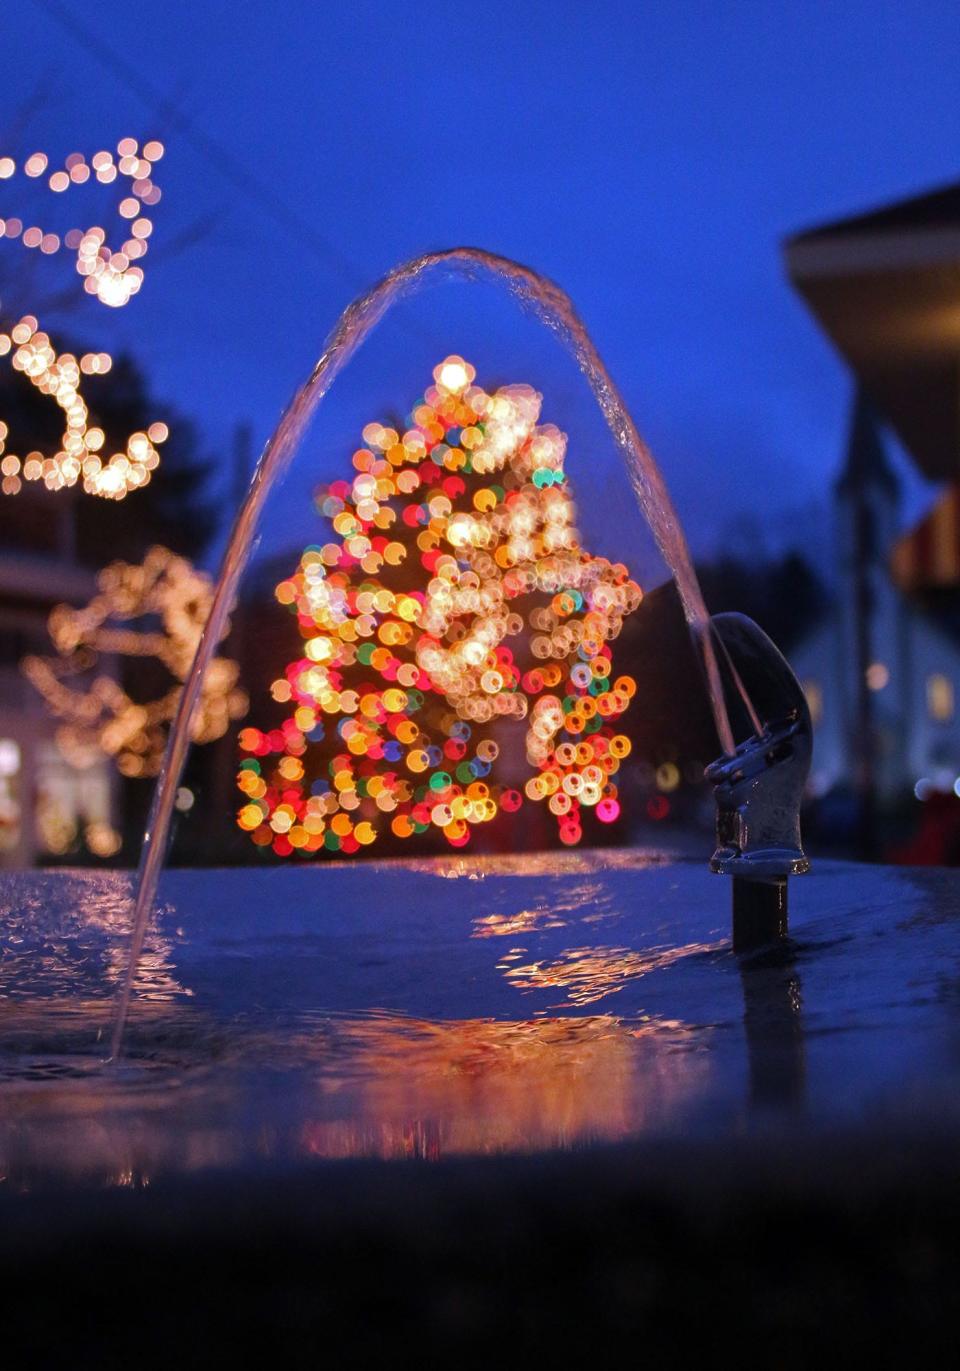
{"x":759,"y":789}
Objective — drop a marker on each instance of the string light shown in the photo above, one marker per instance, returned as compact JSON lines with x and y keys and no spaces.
{"x":110,"y":275}
{"x":58,"y":376}
{"x":451,"y":538}
{"x":99,"y":716}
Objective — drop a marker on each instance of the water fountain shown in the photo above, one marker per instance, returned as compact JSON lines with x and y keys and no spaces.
{"x":355,"y":324}
{"x":268,"y":1023}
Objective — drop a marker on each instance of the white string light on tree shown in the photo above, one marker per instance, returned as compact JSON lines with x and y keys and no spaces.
{"x":153,"y":610}
{"x":112,"y":275}
{"x":109,"y":273}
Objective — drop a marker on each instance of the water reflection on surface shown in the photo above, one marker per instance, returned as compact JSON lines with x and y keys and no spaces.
{"x":380,"y":1085}
{"x":532,"y":1005}
{"x":433,"y":1090}
{"x":589,"y":974}
{"x":67,"y":948}
{"x":567,"y":862}
{"x":508,"y":925}
{"x":773,"y":1022}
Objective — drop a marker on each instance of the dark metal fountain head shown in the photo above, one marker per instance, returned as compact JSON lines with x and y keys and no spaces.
{"x":759,"y":789}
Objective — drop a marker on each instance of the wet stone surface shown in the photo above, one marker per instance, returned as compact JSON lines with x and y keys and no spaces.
{"x":464,"y":1008}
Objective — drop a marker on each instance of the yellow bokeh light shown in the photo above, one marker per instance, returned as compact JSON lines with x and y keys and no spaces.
{"x":96,"y":711}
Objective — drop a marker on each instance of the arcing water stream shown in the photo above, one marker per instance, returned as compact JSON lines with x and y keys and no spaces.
{"x":355,"y":324}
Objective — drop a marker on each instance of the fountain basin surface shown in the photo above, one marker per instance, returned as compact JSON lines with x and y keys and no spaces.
{"x":453,"y":1112}
{"x":449,"y":1007}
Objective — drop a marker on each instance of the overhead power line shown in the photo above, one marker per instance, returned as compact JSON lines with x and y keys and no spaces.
{"x":220,"y":157}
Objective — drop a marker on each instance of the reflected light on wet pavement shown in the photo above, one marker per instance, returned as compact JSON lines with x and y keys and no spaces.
{"x":588,"y":974}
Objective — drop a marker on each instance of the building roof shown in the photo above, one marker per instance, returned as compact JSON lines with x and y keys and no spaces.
{"x":885,"y":287}
{"x":935,"y":207}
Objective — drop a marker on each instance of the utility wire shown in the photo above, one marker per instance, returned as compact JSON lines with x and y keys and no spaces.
{"x":220,"y":157}
{"x":195,"y":232}
{"x":224,"y":161}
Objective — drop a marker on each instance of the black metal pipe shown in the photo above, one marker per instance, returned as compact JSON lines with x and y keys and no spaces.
{"x":759,"y":787}
{"x":759,"y":912}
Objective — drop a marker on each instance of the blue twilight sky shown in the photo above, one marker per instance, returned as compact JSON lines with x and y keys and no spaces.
{"x":650,"y":157}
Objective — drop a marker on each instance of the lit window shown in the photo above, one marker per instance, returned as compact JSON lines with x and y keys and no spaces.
{"x":9,"y":757}
{"x":814,"y":694}
{"x":877,"y":676}
{"x":9,"y":800}
{"x":940,"y":697}
{"x":72,"y":805}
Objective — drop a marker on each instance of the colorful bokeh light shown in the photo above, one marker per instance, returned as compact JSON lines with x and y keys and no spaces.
{"x":451,"y":615}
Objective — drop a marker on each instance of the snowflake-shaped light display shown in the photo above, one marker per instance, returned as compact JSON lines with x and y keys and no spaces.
{"x":453,"y":600}
{"x":155,"y":610}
